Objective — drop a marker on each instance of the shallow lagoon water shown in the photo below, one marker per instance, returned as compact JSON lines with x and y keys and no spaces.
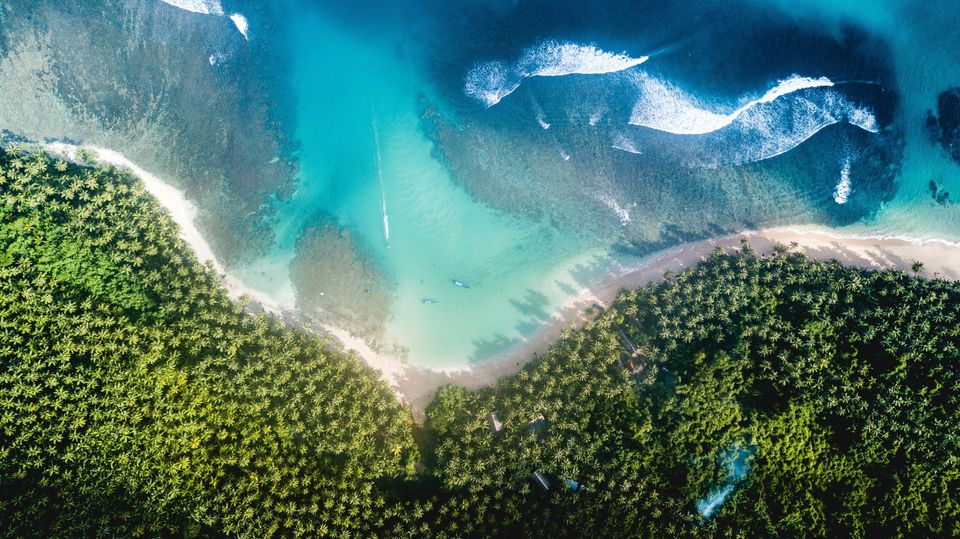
{"x":430,"y":203}
{"x":355,"y":101}
{"x":568,"y":163}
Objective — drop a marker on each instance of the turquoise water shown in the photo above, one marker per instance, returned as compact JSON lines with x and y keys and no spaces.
{"x":924,"y":40}
{"x":524,"y":167}
{"x":522,"y":148}
{"x":355,"y":101}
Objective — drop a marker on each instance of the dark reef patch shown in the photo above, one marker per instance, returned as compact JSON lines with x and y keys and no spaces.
{"x":552,"y":149}
{"x":182,"y":94}
{"x":939,"y":194}
{"x":944,"y":127}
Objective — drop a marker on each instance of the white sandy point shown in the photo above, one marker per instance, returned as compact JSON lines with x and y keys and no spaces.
{"x":416,"y":385}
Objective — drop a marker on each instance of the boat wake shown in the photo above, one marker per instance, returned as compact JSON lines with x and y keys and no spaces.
{"x":539,"y":112}
{"x":490,"y":82}
{"x":383,"y":196}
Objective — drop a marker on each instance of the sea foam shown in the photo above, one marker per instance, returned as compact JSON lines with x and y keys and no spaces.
{"x":209,"y":7}
{"x":842,"y":192}
{"x":212,"y":7}
{"x":622,"y":213}
{"x":489,"y":82}
{"x":679,"y":126}
{"x":665,"y":107}
{"x":242,"y":25}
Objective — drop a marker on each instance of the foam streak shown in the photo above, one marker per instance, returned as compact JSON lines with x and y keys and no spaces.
{"x":383,"y":196}
{"x":489,"y":82}
{"x":667,"y":108}
{"x":842,"y":192}
{"x":670,"y":123}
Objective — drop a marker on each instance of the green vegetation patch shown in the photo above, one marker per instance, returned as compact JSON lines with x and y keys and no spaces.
{"x":136,"y":399}
{"x":748,"y":396}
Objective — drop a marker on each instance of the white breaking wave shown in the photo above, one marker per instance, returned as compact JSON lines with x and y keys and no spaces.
{"x":621,"y":142}
{"x":212,"y":7}
{"x":622,"y":213}
{"x":665,"y":107}
{"x":556,"y":59}
{"x":842,"y":192}
{"x":489,"y":82}
{"x":209,"y":7}
{"x":242,"y":25}
{"x":540,"y":119}
{"x":678,"y":126}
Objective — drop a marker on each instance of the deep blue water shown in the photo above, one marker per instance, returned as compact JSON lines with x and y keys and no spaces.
{"x":520,"y":147}
{"x":528,"y":146}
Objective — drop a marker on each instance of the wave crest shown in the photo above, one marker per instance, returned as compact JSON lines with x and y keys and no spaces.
{"x":679,"y":125}
{"x":842,"y":192}
{"x":489,"y":82}
{"x":208,"y":7}
{"x":665,"y":107}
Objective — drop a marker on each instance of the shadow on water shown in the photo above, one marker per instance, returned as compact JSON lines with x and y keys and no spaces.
{"x":534,"y":305}
{"x":586,"y":274}
{"x":487,"y":348}
{"x":565,"y":288}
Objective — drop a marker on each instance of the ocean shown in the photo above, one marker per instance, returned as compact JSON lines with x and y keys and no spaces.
{"x":442,"y":178}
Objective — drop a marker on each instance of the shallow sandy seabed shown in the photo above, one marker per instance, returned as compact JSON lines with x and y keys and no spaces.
{"x":416,"y":386}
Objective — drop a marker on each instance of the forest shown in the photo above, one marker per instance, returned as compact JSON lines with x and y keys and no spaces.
{"x":748,"y":396}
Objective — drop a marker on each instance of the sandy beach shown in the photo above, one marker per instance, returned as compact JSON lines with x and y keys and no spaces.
{"x":416,"y":386}
{"x":940,"y":259}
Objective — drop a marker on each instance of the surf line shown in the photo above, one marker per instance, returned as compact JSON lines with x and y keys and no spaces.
{"x":383,"y":196}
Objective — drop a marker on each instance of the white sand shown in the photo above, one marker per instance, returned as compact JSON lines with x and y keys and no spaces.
{"x":416,"y":386}
{"x":940,"y":258}
{"x":181,"y":210}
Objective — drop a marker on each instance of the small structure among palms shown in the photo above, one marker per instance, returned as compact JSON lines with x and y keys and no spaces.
{"x":495,"y":425}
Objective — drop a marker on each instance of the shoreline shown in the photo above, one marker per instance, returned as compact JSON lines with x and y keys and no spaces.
{"x":941,"y":259}
{"x":415,"y":386}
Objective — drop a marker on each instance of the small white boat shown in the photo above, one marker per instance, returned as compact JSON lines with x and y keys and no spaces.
{"x":429,"y":301}
{"x":460,"y":283}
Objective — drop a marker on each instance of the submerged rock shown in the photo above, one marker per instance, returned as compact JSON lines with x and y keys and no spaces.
{"x":944,"y":128}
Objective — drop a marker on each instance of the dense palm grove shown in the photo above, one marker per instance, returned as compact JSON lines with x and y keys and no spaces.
{"x":749,"y":396}
{"x":823,"y":400}
{"x":136,"y":398}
